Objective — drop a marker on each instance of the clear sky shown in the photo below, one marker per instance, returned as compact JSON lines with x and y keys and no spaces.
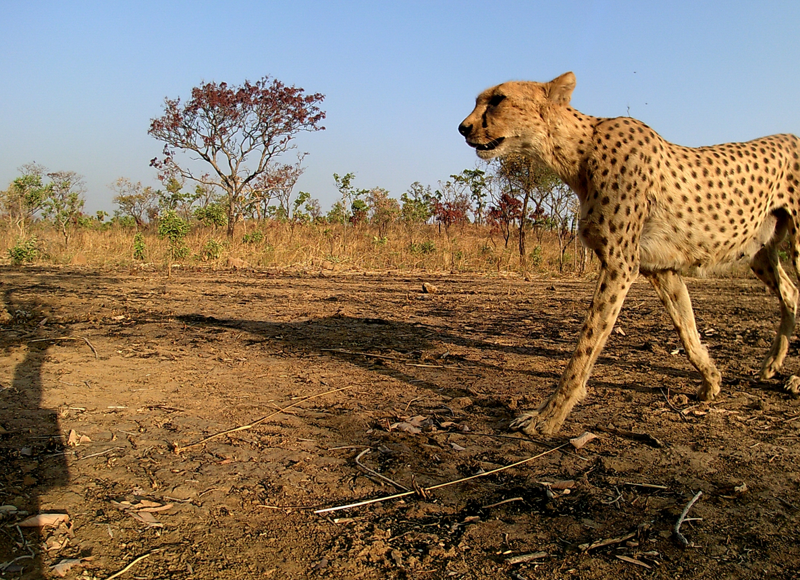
{"x":82,"y":79}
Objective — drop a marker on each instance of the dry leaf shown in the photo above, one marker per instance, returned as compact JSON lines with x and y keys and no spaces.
{"x":580,"y":441}
{"x":72,"y":440}
{"x":66,"y":565}
{"x":43,"y":520}
{"x":405,"y":427}
{"x":566,"y":484}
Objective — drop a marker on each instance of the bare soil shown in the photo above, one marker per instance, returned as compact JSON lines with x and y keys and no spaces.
{"x":426,"y":383}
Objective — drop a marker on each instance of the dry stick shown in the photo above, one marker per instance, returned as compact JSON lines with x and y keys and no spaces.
{"x":677,"y":530}
{"x":384,"y":357}
{"x":178,"y":449}
{"x":342,"y":351}
{"x":131,"y":565}
{"x":83,"y":338}
{"x":431,"y":488}
{"x":499,"y":503}
{"x":375,"y":473}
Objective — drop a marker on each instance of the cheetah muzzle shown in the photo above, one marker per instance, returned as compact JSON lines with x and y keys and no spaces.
{"x":654,"y":208}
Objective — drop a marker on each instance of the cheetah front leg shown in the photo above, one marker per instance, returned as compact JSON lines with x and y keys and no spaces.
{"x":612,"y":287}
{"x":673,"y":293}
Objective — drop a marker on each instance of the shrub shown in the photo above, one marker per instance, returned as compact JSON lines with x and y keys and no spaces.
{"x":24,"y":251}
{"x":139,"y":248}
{"x":255,"y":237}
{"x":426,"y":247}
{"x":212,"y":250}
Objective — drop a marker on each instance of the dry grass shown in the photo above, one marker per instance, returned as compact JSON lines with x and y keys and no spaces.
{"x":275,"y":245}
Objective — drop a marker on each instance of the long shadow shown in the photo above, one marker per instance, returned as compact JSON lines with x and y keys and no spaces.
{"x":355,"y":339}
{"x":31,"y":457}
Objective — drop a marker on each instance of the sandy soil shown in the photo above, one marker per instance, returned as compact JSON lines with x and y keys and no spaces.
{"x":417,"y":387}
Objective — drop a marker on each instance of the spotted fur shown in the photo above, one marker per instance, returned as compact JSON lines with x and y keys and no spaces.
{"x":650,"y":207}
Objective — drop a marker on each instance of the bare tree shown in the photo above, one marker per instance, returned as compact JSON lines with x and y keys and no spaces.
{"x":135,"y":200}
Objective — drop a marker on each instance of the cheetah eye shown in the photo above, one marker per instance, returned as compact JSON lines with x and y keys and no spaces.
{"x":496,"y":100}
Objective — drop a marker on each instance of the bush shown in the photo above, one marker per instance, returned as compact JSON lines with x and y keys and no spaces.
{"x":427,"y":247}
{"x":255,"y":237}
{"x":139,"y":248}
{"x":212,"y":250}
{"x":214,"y":214}
{"x":24,"y":251}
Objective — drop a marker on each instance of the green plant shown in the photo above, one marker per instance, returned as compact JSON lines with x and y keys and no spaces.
{"x":24,"y":251}
{"x":174,"y":228}
{"x":212,"y":250}
{"x":536,"y":256}
{"x":214,"y":214}
{"x":139,"y":248}
{"x":426,"y":247}
{"x":255,"y":237}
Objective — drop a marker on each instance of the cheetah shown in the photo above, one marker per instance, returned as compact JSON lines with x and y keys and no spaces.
{"x":650,"y":207}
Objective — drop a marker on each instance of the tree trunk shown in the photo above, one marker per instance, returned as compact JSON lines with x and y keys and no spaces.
{"x":523,"y":253}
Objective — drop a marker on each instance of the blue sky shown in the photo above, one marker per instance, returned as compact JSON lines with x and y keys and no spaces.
{"x":81,"y":80}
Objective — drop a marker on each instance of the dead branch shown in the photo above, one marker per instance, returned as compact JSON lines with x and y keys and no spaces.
{"x":178,"y":449}
{"x":426,"y":490}
{"x":677,"y":530}
{"x":83,"y":338}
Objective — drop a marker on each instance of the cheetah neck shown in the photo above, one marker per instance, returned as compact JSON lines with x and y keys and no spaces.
{"x":571,"y":135}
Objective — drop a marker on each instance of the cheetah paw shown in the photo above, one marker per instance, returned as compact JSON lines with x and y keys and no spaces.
{"x":545,"y":421}
{"x":792,"y":386}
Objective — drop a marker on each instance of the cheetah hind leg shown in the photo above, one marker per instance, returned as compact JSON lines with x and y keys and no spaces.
{"x":767,"y":267}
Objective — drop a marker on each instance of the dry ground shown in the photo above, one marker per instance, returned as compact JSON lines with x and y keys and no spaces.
{"x":203,"y":352}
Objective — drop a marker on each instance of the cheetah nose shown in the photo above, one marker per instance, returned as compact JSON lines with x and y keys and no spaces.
{"x":465,"y":130}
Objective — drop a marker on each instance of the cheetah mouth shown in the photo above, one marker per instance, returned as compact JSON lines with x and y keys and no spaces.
{"x":493,"y":144}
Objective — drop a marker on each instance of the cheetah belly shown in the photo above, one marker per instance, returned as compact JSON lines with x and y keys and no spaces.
{"x":671,"y":244}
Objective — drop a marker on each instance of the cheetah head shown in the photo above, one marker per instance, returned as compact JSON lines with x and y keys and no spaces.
{"x":514,"y":117}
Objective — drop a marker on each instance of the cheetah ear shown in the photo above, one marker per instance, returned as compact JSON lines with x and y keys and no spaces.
{"x":559,"y":90}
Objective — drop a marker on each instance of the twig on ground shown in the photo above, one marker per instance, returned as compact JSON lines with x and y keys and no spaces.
{"x":526,"y":557}
{"x":131,"y":565}
{"x":633,"y":561}
{"x":178,"y":449}
{"x":409,"y":403}
{"x":375,"y":473}
{"x":384,"y":357}
{"x":350,"y":352}
{"x":606,"y":542}
{"x":643,"y":437}
{"x":647,"y":485}
{"x":83,"y":338}
{"x":615,"y":500}
{"x":441,"y":485}
{"x":285,"y":507}
{"x":673,"y":407}
{"x":499,"y":503}
{"x":677,"y":530}
{"x":99,"y":453}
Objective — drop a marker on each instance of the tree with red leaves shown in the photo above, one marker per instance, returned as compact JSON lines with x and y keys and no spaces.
{"x":229,"y":126}
{"x":505,"y":214}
